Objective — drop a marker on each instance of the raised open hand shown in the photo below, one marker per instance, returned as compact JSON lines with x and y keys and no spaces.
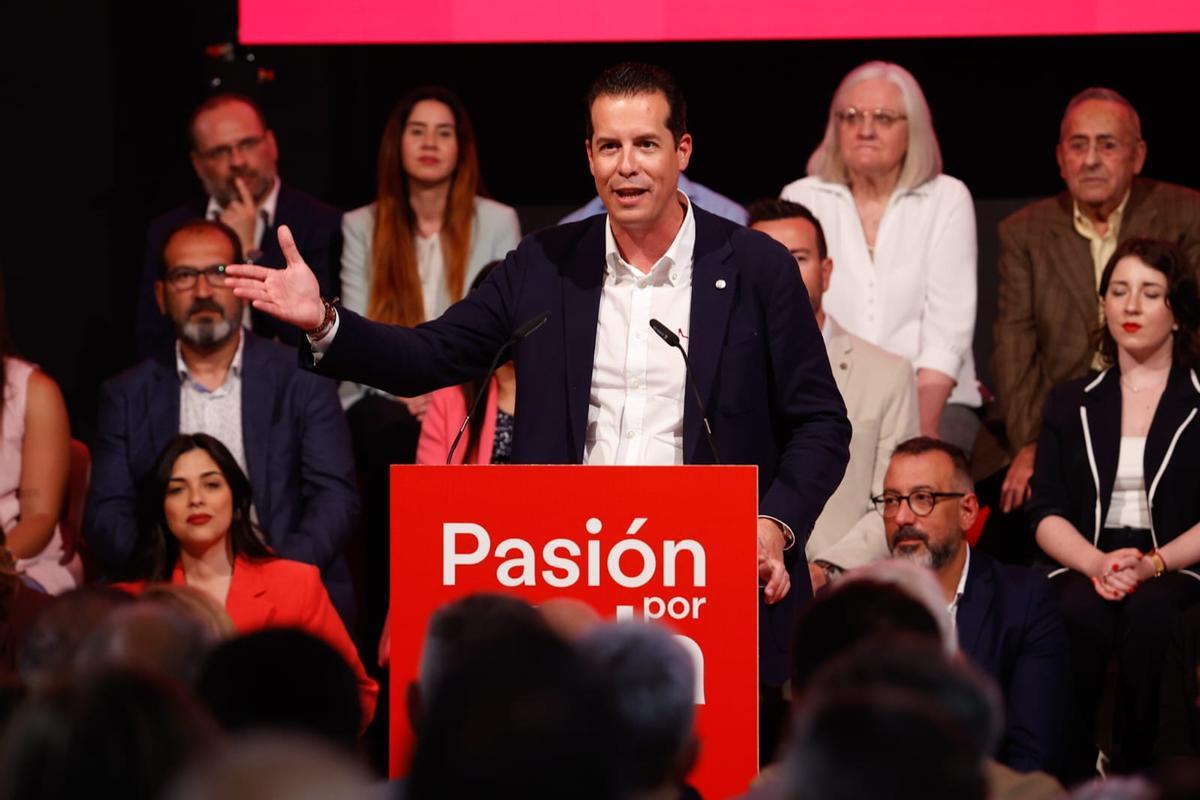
{"x":292,"y":294}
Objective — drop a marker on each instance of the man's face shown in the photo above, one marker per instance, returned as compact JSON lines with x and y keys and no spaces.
{"x":932,"y":540}
{"x":799,"y":236}
{"x":635,"y":160}
{"x":229,"y":142}
{"x":204,"y":315}
{"x":1099,"y":152}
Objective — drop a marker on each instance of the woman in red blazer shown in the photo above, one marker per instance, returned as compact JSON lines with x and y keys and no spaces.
{"x":197,"y":530}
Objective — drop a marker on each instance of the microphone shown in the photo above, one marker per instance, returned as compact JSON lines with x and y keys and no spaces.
{"x":672,"y":340}
{"x":519,"y":334}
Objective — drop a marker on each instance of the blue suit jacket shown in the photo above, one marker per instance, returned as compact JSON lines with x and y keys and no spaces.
{"x":757,"y":356}
{"x":318,"y":231}
{"x":1009,"y":625}
{"x":298,"y":457}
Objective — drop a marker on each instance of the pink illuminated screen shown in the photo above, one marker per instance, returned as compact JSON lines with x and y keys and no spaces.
{"x":478,"y":21}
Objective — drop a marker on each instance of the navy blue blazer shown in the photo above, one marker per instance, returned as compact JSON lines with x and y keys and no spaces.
{"x":318,"y":231}
{"x":758,"y":358}
{"x":298,"y":457}
{"x":1009,"y":626}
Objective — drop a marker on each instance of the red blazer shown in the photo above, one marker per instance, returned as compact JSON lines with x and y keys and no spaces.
{"x":279,"y":593}
{"x":443,"y":417}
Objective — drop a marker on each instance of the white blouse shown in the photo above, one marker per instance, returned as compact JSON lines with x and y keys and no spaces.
{"x":917,"y":297}
{"x":1128,"y":506}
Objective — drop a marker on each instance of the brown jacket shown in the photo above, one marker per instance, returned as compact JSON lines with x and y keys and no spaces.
{"x":1047,"y":303}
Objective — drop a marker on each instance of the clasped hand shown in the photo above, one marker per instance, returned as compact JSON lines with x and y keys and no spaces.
{"x":1119,"y":573}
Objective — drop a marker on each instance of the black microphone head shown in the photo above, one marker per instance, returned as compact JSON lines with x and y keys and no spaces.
{"x":530,"y":326}
{"x":665,"y":333}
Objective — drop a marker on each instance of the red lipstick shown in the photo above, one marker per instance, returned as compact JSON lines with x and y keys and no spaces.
{"x":1132,"y":327}
{"x":199,"y":519}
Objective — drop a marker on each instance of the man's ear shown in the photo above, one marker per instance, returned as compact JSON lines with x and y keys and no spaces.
{"x":159,"y":289}
{"x":968,"y":511}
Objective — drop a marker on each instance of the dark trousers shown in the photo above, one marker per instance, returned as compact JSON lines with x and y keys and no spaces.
{"x":1135,"y":632}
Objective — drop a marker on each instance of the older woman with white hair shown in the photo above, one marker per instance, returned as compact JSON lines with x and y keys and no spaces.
{"x":903,"y":237}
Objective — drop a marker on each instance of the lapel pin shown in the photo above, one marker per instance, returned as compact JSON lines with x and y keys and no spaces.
{"x":720,"y":283}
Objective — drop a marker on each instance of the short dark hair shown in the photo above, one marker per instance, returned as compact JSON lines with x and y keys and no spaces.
{"x":1183,"y":295}
{"x":157,"y":549}
{"x":920,"y":445}
{"x":772,"y":209}
{"x":250,"y":682}
{"x":216,"y":101}
{"x":849,"y":614}
{"x":200,"y":224}
{"x":632,"y":78}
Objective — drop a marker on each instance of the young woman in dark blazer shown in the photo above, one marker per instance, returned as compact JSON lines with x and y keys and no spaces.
{"x":1116,"y":494}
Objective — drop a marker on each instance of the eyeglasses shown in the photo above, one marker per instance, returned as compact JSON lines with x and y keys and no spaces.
{"x":1105,"y":145}
{"x":920,"y":502}
{"x":185,"y":278}
{"x":853,"y":117}
{"x":225,"y":151}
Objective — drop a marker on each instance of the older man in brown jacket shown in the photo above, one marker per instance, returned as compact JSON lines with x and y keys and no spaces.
{"x":1052,"y":254}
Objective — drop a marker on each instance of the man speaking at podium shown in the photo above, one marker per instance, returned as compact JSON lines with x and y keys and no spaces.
{"x":597,"y":384}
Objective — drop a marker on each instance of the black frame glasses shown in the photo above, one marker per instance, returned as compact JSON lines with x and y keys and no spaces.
{"x":921,"y":502}
{"x":184,"y":278}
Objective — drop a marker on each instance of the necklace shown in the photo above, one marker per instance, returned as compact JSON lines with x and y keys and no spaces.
{"x":1140,"y":389}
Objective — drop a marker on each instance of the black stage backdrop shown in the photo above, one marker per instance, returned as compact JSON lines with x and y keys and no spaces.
{"x":95,"y":97}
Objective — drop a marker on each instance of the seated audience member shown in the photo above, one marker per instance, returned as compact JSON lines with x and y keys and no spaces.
{"x":148,"y":637}
{"x":653,"y":683}
{"x":881,"y":743}
{"x":284,"y":679}
{"x":457,"y":631}
{"x":408,"y":256}
{"x":919,"y":667}
{"x":53,"y":640}
{"x":278,"y":767}
{"x":35,"y":455}
{"x":886,"y":624}
{"x":880,"y":395}
{"x":510,"y":712}
{"x":1116,"y":494}
{"x":851,"y":612}
{"x":1052,"y":253}
{"x":235,"y":156}
{"x":19,"y":606}
{"x":1004,"y":616}
{"x":196,"y":529}
{"x":488,"y":437}
{"x":903,"y":235}
{"x":282,"y":424}
{"x":118,"y":734}
{"x":701,"y":195}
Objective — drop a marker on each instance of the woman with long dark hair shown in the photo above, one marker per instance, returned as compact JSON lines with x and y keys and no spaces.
{"x":196,"y":529}
{"x":1116,"y":494}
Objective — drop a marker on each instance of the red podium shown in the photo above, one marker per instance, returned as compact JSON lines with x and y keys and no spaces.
{"x":672,"y":544}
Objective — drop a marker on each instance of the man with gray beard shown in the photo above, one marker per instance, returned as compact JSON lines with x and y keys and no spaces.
{"x":1004,"y":616}
{"x":284,"y":426}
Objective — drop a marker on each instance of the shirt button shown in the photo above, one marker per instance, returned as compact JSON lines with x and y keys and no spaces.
{"x":631,"y":435}
{"x":634,"y":383}
{"x":642,"y":284}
